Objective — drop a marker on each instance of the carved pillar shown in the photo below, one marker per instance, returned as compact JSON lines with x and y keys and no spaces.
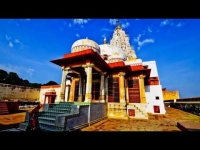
{"x":88,"y":92}
{"x":63,"y":83}
{"x":71,"y":93}
{"x":142,"y":89}
{"x":102,"y":87}
{"x":106,"y":89}
{"x":67,"y":93}
{"x":80,"y":90}
{"x":121,"y":87}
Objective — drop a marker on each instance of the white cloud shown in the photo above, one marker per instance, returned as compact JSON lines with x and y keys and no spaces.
{"x":28,"y":19}
{"x":80,"y":21}
{"x":180,"y":24}
{"x":106,"y":29}
{"x":166,"y":22}
{"x":124,"y":25}
{"x":149,"y":29}
{"x":112,"y":21}
{"x":17,"y":69}
{"x":70,"y":25}
{"x":142,"y":43}
{"x":77,"y":35}
{"x":10,"y":44}
{"x":19,"y":42}
{"x":8,"y":38}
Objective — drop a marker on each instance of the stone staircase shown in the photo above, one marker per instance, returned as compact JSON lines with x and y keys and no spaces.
{"x":3,"y":108}
{"x":140,"y":110}
{"x":47,"y":118}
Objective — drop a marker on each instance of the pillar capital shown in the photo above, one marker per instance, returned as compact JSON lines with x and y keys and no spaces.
{"x":65,"y":68}
{"x":103,"y":73}
{"x":141,"y":76}
{"x":121,"y":74}
{"x":88,"y":65}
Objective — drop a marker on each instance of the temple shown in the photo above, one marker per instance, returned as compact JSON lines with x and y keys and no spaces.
{"x":108,"y":73}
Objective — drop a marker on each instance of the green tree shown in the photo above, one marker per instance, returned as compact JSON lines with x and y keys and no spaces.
{"x":3,"y":76}
{"x":51,"y":83}
{"x":14,"y":79}
{"x":25,"y":83}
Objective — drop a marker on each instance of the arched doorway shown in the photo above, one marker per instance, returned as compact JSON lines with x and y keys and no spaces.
{"x":50,"y":95}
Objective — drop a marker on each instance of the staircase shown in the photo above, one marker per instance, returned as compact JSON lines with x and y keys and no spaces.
{"x":47,"y":119}
{"x":3,"y":108}
{"x":140,"y":110}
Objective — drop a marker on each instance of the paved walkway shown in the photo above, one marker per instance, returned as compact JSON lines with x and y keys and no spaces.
{"x":167,"y":122}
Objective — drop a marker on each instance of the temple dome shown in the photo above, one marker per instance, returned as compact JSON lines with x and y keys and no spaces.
{"x":84,"y":44}
{"x":114,"y":53}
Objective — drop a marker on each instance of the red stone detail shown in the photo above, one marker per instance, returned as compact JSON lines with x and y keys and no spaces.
{"x":156,"y":109}
{"x":138,"y":67}
{"x":131,"y":112}
{"x":153,"y":81}
{"x":116,"y":64}
{"x":81,"y":53}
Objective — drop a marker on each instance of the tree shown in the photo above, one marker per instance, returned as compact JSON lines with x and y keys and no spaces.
{"x":3,"y":76}
{"x":25,"y":83}
{"x":51,"y":83}
{"x":14,"y":79}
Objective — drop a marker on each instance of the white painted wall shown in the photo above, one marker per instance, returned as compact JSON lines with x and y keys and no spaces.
{"x":151,"y":92}
{"x":153,"y":67}
{"x":43,"y":91}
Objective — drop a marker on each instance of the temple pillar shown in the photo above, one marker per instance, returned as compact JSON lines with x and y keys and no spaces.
{"x":121,"y":87}
{"x":102,"y":87}
{"x":80,"y":90}
{"x":71,"y":92}
{"x":88,"y":92}
{"x":67,"y":93}
{"x":142,"y":89}
{"x":63,"y":83}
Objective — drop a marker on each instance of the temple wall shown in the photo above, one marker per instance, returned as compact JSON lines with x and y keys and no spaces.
{"x":170,"y":95}
{"x":151,"y":93}
{"x":153,"y":67}
{"x":8,"y":91}
{"x":45,"y":89}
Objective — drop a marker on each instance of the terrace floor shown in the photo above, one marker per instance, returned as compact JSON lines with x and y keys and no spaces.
{"x":167,"y":122}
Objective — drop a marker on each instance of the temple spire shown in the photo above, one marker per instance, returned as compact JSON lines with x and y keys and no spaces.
{"x":118,"y":25}
{"x":104,"y":41}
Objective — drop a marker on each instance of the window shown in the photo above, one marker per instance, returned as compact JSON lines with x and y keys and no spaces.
{"x":157,"y":97}
{"x":113,"y":89}
{"x":156,"y":109}
{"x":105,"y":57}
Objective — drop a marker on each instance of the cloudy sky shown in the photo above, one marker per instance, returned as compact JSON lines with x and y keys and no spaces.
{"x":28,"y":45}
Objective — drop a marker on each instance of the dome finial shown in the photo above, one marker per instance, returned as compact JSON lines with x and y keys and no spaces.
{"x":118,"y":25}
{"x":104,"y":40}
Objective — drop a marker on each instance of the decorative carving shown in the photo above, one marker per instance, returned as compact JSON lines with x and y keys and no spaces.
{"x":122,"y":74}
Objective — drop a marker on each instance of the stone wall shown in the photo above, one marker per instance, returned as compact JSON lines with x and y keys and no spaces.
{"x":169,"y":95}
{"x":8,"y":91}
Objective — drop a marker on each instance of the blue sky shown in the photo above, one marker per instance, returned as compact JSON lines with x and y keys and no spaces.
{"x":28,"y":45}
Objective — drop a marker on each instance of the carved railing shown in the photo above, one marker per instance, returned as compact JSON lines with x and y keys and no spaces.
{"x":117,"y":110}
{"x":193,"y":108}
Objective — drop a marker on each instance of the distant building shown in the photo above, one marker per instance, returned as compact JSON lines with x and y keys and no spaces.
{"x":170,"y":95}
{"x":108,"y":73}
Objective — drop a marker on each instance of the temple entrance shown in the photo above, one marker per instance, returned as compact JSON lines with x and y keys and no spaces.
{"x":76,"y":91}
{"x":95,"y":90}
{"x":113,"y":90}
{"x":133,"y":90}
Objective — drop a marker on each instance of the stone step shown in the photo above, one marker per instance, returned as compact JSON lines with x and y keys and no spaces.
{"x":23,"y":126}
{"x":53,"y":119}
{"x":49,"y":127}
{"x":46,"y":122}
